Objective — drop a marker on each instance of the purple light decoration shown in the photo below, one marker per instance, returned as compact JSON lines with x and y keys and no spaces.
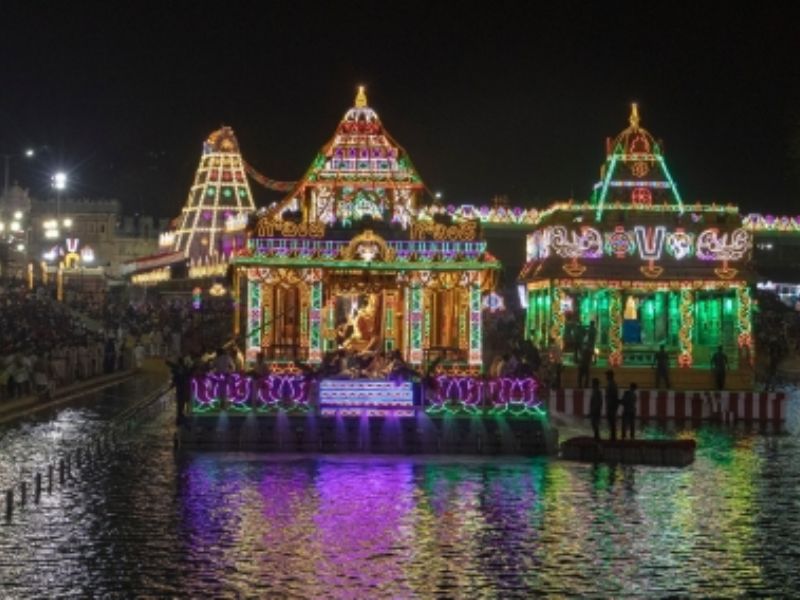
{"x":466,"y":391}
{"x":473,"y":394}
{"x":237,"y":390}
{"x":507,"y":392}
{"x":213,"y":391}
{"x":205,"y":392}
{"x":287,"y":390}
{"x":366,"y":397}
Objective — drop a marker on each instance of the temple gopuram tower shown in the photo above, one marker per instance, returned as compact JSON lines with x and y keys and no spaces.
{"x":220,"y":191}
{"x":361,"y":171}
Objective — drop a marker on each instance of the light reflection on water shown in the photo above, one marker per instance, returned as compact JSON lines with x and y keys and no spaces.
{"x":250,"y":525}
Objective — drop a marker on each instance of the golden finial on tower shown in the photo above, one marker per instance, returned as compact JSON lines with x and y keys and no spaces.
{"x":634,"y":118}
{"x":361,"y":97}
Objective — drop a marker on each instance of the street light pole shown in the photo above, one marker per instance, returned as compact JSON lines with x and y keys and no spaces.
{"x":60,"y":184}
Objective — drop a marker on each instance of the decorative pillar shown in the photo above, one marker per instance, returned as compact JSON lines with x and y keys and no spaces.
{"x":428,"y":300}
{"x":557,"y":317}
{"x":267,"y":312}
{"x":304,"y":313}
{"x":254,"y":319}
{"x":389,"y":314}
{"x":687,"y":325}
{"x":315,"y":323}
{"x":236,"y":297}
{"x":330,"y":319}
{"x":745,"y":317}
{"x":475,"y":324}
{"x":615,"y":328}
{"x":463,"y":323}
{"x":415,"y":305}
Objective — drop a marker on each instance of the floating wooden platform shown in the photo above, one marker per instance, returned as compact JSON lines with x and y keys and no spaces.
{"x":667,"y":453}
{"x":420,"y":434}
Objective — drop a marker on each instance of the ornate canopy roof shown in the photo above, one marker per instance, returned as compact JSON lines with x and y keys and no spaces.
{"x":361,"y":171}
{"x":635,"y":172}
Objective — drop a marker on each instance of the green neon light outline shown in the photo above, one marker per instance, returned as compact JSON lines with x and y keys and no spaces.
{"x":663,"y":164}
{"x":604,"y":190}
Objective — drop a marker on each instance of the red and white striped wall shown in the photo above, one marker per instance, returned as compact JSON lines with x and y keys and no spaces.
{"x":744,"y":407}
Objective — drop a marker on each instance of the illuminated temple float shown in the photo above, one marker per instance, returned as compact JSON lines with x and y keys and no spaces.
{"x":348,"y":261}
{"x":648,"y":269}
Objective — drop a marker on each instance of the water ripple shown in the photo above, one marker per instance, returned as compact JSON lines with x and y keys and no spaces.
{"x":231,"y":525}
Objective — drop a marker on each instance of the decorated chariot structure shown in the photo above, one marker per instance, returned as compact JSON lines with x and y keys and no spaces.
{"x":636,"y":268}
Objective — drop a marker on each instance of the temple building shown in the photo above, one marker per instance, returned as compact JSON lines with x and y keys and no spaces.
{"x":636,"y":268}
{"x":349,"y":260}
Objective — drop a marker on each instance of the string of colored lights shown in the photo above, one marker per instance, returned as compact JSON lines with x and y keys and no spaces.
{"x":615,"y":328}
{"x":315,"y":328}
{"x":254,"y":316}
{"x":415,"y":307}
{"x":745,"y":320}
{"x":475,"y":325}
{"x":266,"y":182}
{"x":685,"y":358}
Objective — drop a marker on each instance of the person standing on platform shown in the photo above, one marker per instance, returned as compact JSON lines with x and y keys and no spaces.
{"x":629,"y":411}
{"x":139,"y":353}
{"x":719,"y":362}
{"x":591,"y":339}
{"x":596,"y":407}
{"x":584,"y":366}
{"x":181,"y":380}
{"x":556,"y":362}
{"x":661,"y":365}
{"x":612,"y":404}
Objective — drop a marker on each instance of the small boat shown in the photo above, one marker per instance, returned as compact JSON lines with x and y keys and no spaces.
{"x":666,"y":453}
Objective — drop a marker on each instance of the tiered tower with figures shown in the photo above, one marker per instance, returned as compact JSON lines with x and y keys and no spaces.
{"x":220,"y":192}
{"x":361,"y":171}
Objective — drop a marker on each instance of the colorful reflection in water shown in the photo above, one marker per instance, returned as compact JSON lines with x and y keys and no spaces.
{"x":249,"y":525}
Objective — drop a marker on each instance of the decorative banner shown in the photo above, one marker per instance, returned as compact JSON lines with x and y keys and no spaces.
{"x":620,"y":243}
{"x":586,"y":244}
{"x":679,"y":244}
{"x":713,"y":246}
{"x":650,"y":241}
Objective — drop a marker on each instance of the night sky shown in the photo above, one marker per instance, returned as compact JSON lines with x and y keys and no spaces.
{"x":508,"y":98}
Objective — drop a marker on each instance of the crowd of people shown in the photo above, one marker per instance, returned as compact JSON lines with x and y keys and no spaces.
{"x":44,"y":344}
{"x":777,"y":336}
{"x":613,"y":402}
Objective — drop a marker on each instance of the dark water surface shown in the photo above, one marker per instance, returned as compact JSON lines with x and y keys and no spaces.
{"x":149,"y":523}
